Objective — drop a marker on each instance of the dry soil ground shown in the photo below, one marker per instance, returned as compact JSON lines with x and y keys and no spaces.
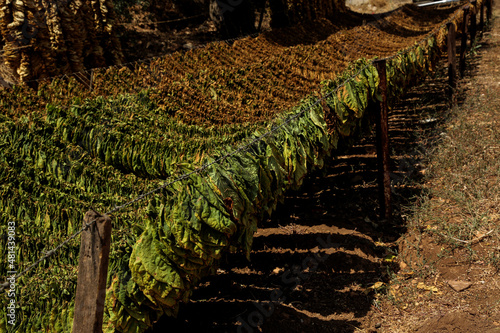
{"x":324,"y":262}
{"x":375,"y":6}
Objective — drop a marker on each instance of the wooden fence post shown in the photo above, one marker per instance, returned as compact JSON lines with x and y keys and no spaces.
{"x":463,"y":46}
{"x":262,"y":16}
{"x":452,"y":65}
{"x":488,"y":10}
{"x":92,"y":274}
{"x":383,"y":155}
{"x":481,"y":17}
{"x":91,"y":83}
{"x":473,"y":22}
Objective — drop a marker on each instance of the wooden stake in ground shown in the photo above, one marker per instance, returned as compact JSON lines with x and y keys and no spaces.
{"x":473,"y":22}
{"x":452,"y":64}
{"x":463,"y":46}
{"x":481,"y":17}
{"x":488,"y":10}
{"x":383,"y":155}
{"x":92,"y":274}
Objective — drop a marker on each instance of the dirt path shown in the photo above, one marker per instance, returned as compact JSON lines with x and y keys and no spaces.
{"x":375,"y":6}
{"x":325,"y":263}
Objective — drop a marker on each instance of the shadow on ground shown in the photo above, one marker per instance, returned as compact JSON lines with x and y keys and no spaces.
{"x":314,"y":260}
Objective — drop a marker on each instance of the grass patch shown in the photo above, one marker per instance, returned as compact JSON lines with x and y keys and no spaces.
{"x":460,"y":204}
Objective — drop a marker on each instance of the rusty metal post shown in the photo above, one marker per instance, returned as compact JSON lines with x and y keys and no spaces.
{"x":92,"y":274}
{"x":383,"y":155}
{"x":473,"y":22}
{"x":452,"y":64}
{"x":463,"y":46}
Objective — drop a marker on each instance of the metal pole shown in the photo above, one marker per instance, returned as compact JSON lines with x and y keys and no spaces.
{"x":452,"y":64}
{"x":383,"y":155}
{"x":92,"y":274}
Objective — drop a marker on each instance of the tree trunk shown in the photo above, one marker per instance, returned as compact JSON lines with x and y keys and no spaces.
{"x":279,"y":15}
{"x":292,"y":12}
{"x":233,"y":17}
{"x":43,"y":39}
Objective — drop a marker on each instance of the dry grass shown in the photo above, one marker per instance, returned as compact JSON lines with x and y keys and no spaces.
{"x":453,"y":228}
{"x":462,"y":201}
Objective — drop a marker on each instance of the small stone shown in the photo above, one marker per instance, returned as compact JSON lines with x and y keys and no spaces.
{"x":378,"y":325}
{"x":278,"y":270}
{"x":459,"y":285}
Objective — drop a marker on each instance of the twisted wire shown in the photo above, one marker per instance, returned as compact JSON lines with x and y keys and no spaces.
{"x":202,"y":168}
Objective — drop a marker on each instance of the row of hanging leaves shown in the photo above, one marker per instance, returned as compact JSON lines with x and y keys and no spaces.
{"x":218,"y":210}
{"x":43,"y":39}
{"x":165,"y":248}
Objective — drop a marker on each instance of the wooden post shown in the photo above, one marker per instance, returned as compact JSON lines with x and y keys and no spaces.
{"x":262,"y":16}
{"x":383,"y":155}
{"x":92,"y":274}
{"x":481,"y":17}
{"x":473,"y":22}
{"x":91,"y":79}
{"x":452,"y":64}
{"x":488,"y":10}
{"x":463,"y":46}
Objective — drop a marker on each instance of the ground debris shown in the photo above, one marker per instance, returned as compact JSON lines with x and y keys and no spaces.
{"x":459,"y":285}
